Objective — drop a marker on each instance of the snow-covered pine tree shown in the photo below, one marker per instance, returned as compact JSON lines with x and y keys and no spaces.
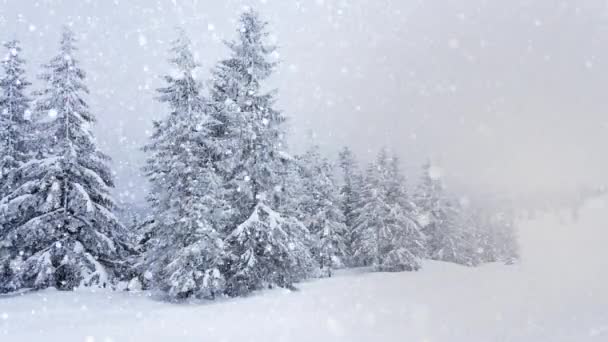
{"x":388,"y":236}
{"x":289,"y":196}
{"x":14,"y":125}
{"x":455,"y":238}
{"x":185,"y":248}
{"x":62,"y":230}
{"x":350,"y":194}
{"x":405,"y":243}
{"x":494,"y":230}
{"x":322,"y":213}
{"x":427,"y":197}
{"x":251,"y":129}
{"x":371,"y":215}
{"x":265,"y":247}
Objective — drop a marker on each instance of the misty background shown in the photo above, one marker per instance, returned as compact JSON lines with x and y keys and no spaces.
{"x":504,"y":96}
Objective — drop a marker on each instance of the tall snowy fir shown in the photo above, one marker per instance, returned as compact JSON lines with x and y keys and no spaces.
{"x":14,"y":123}
{"x":406,"y":243}
{"x":350,"y":198}
{"x":14,"y":129}
{"x":427,"y":199}
{"x":321,"y":211}
{"x":264,"y":246}
{"x":452,"y":232}
{"x":185,"y":248}
{"x":62,"y":232}
{"x":455,"y":237}
{"x":388,"y":238}
{"x":370,"y":216}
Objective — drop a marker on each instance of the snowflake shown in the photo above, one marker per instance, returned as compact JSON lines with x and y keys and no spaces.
{"x":53,"y":113}
{"x":142,"y":40}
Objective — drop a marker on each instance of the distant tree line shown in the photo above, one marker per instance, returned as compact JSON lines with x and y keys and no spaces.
{"x":231,"y":211}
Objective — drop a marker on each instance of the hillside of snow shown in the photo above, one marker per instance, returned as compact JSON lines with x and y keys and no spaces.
{"x":557,"y":293}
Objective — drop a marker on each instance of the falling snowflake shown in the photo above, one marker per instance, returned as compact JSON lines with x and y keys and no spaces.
{"x":142,"y":40}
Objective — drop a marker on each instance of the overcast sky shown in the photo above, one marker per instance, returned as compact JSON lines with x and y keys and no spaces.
{"x":503,"y":95}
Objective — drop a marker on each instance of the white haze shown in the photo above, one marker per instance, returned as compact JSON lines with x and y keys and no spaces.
{"x":504,"y":95}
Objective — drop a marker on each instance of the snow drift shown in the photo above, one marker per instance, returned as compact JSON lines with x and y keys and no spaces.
{"x":557,"y":293}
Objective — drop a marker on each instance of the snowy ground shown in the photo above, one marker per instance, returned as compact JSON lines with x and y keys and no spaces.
{"x":559,"y":293}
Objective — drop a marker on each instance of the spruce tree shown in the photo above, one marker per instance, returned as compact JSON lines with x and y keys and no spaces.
{"x":350,"y":198}
{"x":452,"y":232}
{"x":185,"y":246}
{"x":406,"y":241}
{"x":388,"y":238}
{"x":62,"y":230}
{"x":14,"y":125}
{"x":264,"y":246}
{"x":455,"y":237}
{"x":370,"y":218}
{"x":321,"y":210}
{"x":14,"y":109}
{"x":429,"y":213}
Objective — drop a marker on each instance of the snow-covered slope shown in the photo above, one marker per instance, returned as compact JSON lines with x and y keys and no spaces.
{"x":558,"y":293}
